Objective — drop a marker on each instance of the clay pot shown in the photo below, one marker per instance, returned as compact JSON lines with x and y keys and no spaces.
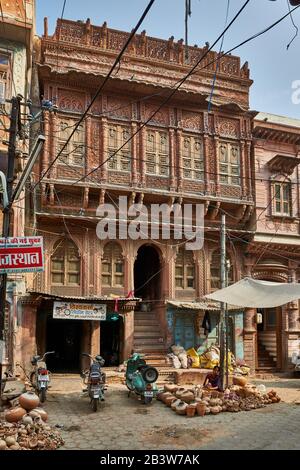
{"x":166,"y":395}
{"x":190,"y":411}
{"x":201,"y":409}
{"x":175,"y":403}
{"x":15,"y":414}
{"x":241,"y":381}
{"x":29,"y":400}
{"x":187,"y":396}
{"x":181,"y":408}
{"x":169,"y":400}
{"x":171,"y":388}
{"x":41,"y":412}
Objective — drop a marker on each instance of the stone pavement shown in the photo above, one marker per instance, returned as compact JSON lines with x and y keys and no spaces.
{"x":124,"y":423}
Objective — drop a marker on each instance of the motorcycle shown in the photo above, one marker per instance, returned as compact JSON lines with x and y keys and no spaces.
{"x":140,"y":378}
{"x":94,"y":378}
{"x":40,"y":376}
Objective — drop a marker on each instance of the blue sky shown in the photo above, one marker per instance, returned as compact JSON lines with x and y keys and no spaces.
{"x":273,"y":67}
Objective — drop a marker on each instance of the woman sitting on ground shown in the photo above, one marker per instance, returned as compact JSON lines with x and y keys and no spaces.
{"x":212,"y":380}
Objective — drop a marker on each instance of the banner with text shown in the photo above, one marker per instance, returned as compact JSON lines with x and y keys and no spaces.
{"x":79,"y":311}
{"x":21,"y":254}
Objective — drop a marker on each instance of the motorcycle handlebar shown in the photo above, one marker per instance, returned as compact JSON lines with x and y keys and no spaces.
{"x":46,"y":354}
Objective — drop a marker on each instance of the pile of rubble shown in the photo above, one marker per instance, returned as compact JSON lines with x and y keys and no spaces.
{"x":196,"y":400}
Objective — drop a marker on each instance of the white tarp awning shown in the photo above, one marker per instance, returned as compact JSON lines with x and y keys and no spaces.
{"x":257,"y":294}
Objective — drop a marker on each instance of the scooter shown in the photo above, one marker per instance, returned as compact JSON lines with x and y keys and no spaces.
{"x":94,"y":378}
{"x":141,"y":378}
{"x":40,"y":376}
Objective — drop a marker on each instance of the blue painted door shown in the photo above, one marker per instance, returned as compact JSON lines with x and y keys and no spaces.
{"x":184,"y":330}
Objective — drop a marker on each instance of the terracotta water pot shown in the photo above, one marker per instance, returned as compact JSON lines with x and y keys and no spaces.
{"x":241,"y":381}
{"x":190,"y":411}
{"x":29,"y":400}
{"x":201,"y":407}
{"x":169,"y":400}
{"x":43,"y":414}
{"x":15,"y":414}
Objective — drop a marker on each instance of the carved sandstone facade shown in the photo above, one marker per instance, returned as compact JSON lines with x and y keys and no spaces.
{"x":184,"y":154}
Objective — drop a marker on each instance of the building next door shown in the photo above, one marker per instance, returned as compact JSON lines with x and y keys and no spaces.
{"x":268,"y":339}
{"x":64,"y":337}
{"x":184,"y":330}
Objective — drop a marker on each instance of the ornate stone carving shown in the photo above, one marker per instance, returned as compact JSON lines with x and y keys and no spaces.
{"x":71,"y":101}
{"x":161,"y":117}
{"x":119,"y":107}
{"x":191,"y":120}
{"x":228,"y":127}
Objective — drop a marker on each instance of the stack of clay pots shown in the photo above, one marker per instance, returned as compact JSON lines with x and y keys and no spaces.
{"x":194,"y":401}
{"x":25,"y":427}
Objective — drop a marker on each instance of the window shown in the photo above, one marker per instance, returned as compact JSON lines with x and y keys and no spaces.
{"x":282,"y":198}
{"x":117,"y":137}
{"x":74,"y":152}
{"x":215,"y":271}
{"x":157,"y":153}
{"x":184,"y":270}
{"x":193,"y":165}
{"x":112,"y":266}
{"x":65,"y":264}
{"x":4,"y":77}
{"x":229,"y":163}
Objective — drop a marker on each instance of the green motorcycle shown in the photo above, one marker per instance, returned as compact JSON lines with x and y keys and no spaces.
{"x":140,"y":378}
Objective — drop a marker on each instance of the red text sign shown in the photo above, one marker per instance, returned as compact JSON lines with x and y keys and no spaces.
{"x":21,"y":254}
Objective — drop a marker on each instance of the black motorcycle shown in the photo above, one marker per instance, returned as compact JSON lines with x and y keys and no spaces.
{"x":94,"y":378}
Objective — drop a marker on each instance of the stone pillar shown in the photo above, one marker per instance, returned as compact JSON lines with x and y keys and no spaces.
{"x":128,"y":334}
{"x":103,"y":148}
{"x":134,"y":154}
{"x":172,"y":159}
{"x":53,"y":146}
{"x":217,"y":176}
{"x":249,"y":181}
{"x":207,"y":177}
{"x":243,"y":171}
{"x":142,"y":162}
{"x":95,"y":338}
{"x":46,"y":149}
{"x":26,"y":333}
{"x":88,"y":141}
{"x":180,"y":160}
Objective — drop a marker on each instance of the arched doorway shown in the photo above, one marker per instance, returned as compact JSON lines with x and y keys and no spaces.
{"x":147,"y":273}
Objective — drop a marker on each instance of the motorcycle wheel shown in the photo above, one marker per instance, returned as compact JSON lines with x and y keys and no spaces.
{"x":95,"y":404}
{"x":43,"y":395}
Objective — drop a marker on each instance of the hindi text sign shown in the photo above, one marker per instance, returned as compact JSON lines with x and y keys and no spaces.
{"x":21,"y":254}
{"x":79,"y":311}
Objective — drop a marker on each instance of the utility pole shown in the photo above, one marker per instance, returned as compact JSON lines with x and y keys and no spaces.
{"x":13,"y":132}
{"x":222,"y":310}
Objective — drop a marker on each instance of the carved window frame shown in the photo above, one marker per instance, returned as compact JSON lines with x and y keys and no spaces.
{"x":66,"y":254}
{"x":281,"y":198}
{"x":229,"y":164}
{"x":157,"y":155}
{"x":185,"y":270}
{"x":5,"y":77}
{"x":112,"y":269}
{"x":192,"y":157}
{"x":121,"y":161}
{"x":75,"y":152}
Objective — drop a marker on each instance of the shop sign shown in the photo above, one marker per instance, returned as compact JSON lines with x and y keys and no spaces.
{"x":79,"y":311}
{"x":21,"y":254}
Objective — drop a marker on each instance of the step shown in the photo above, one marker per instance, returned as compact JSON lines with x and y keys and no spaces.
{"x":146,"y":328}
{"x":147,"y":334}
{"x":149,"y":348}
{"x":145,"y":315}
{"x":145,"y":322}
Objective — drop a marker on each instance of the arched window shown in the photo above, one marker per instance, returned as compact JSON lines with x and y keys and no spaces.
{"x":65,"y":264}
{"x":112,"y":265}
{"x":184,"y":270}
{"x":215,"y":271}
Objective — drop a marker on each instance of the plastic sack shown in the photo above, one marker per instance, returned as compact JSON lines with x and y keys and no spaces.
{"x":183,"y":359}
{"x":194,"y":357}
{"x":175,"y":361}
{"x":177,"y":349}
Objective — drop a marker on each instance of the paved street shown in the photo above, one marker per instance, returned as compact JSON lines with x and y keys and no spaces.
{"x":124,"y":423}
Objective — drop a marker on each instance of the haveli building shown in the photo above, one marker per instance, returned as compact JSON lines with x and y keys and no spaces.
{"x":184,"y":154}
{"x":16,"y":46}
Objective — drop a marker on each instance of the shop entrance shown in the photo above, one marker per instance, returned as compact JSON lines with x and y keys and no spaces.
{"x":111,"y":339}
{"x":64,"y":337}
{"x":268,"y":338}
{"x":147,"y":275}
